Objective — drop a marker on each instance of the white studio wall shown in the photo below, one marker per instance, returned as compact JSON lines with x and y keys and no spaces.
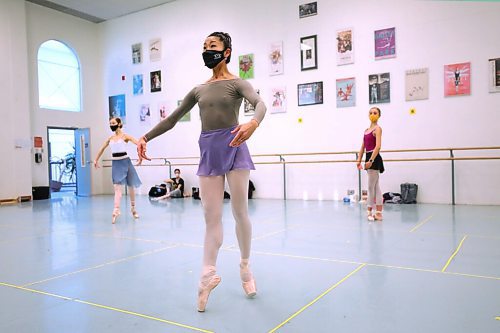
{"x":16,"y":147}
{"x":429,"y":34}
{"x":83,"y":38}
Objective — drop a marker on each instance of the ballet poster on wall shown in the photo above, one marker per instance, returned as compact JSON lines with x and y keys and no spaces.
{"x":278,"y":103}
{"x":308,"y":9}
{"x":155,"y":49}
{"x":248,"y":108}
{"x":155,"y":78}
{"x":145,"y":115}
{"x":346,"y":92}
{"x":345,"y":52}
{"x":310,"y":93}
{"x":308,"y":53}
{"x":417,"y":84}
{"x":379,"y":88}
{"x":494,"y":65}
{"x":276,"y":59}
{"x":385,"y":43}
{"x":138,"y":84}
{"x":137,"y":53}
{"x":457,"y":79}
{"x":246,"y":66}
{"x":162,"y":110}
{"x":117,"y":107}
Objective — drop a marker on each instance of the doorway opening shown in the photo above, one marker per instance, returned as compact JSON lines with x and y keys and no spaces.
{"x":62,"y":161}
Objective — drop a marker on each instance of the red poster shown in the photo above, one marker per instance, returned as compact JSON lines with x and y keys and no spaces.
{"x":457,"y":79}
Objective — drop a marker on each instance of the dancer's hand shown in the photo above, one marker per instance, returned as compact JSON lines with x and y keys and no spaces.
{"x":96,"y":164}
{"x":368,"y":165}
{"x":358,"y":165}
{"x":141,"y":150}
{"x":243,"y":133}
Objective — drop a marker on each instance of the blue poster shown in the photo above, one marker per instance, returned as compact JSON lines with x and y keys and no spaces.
{"x":117,"y":107}
{"x":346,"y":92}
{"x":138,"y":86}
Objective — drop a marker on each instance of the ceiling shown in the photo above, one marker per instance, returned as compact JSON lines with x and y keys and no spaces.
{"x":99,"y":10}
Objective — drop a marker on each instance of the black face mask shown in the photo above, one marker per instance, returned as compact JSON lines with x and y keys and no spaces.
{"x":212,"y":58}
{"x":113,"y":127}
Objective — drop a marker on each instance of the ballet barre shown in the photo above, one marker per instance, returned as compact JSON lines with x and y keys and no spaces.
{"x":168,"y":161}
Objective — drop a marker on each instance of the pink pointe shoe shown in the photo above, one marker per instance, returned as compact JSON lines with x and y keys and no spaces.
{"x":116,"y":213}
{"x":247,"y":280}
{"x":134,"y":212}
{"x":207,"y":284}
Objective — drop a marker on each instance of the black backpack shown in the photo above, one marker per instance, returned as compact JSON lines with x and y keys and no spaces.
{"x":157,"y":191}
{"x":409,"y":193}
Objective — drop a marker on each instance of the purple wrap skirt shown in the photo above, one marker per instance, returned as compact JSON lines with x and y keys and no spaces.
{"x":217,"y":157}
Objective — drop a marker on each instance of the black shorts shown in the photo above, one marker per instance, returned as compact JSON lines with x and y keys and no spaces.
{"x":378,"y":163}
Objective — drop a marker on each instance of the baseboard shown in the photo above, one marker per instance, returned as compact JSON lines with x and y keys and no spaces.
{"x":12,"y":201}
{"x":24,"y":198}
{"x":9,"y":201}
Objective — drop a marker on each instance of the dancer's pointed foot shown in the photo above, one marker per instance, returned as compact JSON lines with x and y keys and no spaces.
{"x":134,"y":212}
{"x":116,"y":213}
{"x":208,"y":282}
{"x":247,"y":279}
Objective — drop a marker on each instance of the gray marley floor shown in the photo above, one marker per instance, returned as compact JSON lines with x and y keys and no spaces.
{"x":320,"y":266}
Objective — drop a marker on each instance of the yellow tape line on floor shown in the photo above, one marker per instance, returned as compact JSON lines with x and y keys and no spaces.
{"x":497,"y":318}
{"x":106,"y":307}
{"x":421,"y":224}
{"x":372,"y":265}
{"x":317,"y":298}
{"x":102,"y":265}
{"x":454,"y":254}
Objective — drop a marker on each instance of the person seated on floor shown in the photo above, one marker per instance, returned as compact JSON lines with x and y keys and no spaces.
{"x":175,"y":187}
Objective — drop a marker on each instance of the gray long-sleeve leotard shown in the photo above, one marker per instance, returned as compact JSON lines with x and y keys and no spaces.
{"x":219,"y":103}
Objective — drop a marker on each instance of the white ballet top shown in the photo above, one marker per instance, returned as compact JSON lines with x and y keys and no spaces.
{"x":118,"y":146}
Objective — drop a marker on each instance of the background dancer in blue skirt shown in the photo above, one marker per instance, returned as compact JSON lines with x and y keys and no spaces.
{"x":223,"y":154}
{"x":122,"y":170}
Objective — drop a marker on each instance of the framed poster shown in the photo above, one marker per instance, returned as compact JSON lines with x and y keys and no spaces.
{"x":494,"y":66}
{"x":417,"y":84}
{"x":345,"y":52}
{"x":308,"y":9}
{"x":117,"y":107}
{"x":138,"y":84}
{"x":385,"y":43}
{"x":379,"y":87}
{"x":310,"y":93}
{"x":278,"y":103}
{"x":155,"y":49}
{"x":308,"y":53}
{"x":276,"y":58}
{"x":457,"y":79}
{"x":155,"y":78}
{"x":346,"y":92}
{"x":246,"y":66}
{"x":137,"y":53}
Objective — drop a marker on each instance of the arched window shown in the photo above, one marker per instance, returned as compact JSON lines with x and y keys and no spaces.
{"x":58,"y":77}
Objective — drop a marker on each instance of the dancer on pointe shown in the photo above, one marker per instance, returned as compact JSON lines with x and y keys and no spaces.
{"x":223,"y":155}
{"x":122,"y":169}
